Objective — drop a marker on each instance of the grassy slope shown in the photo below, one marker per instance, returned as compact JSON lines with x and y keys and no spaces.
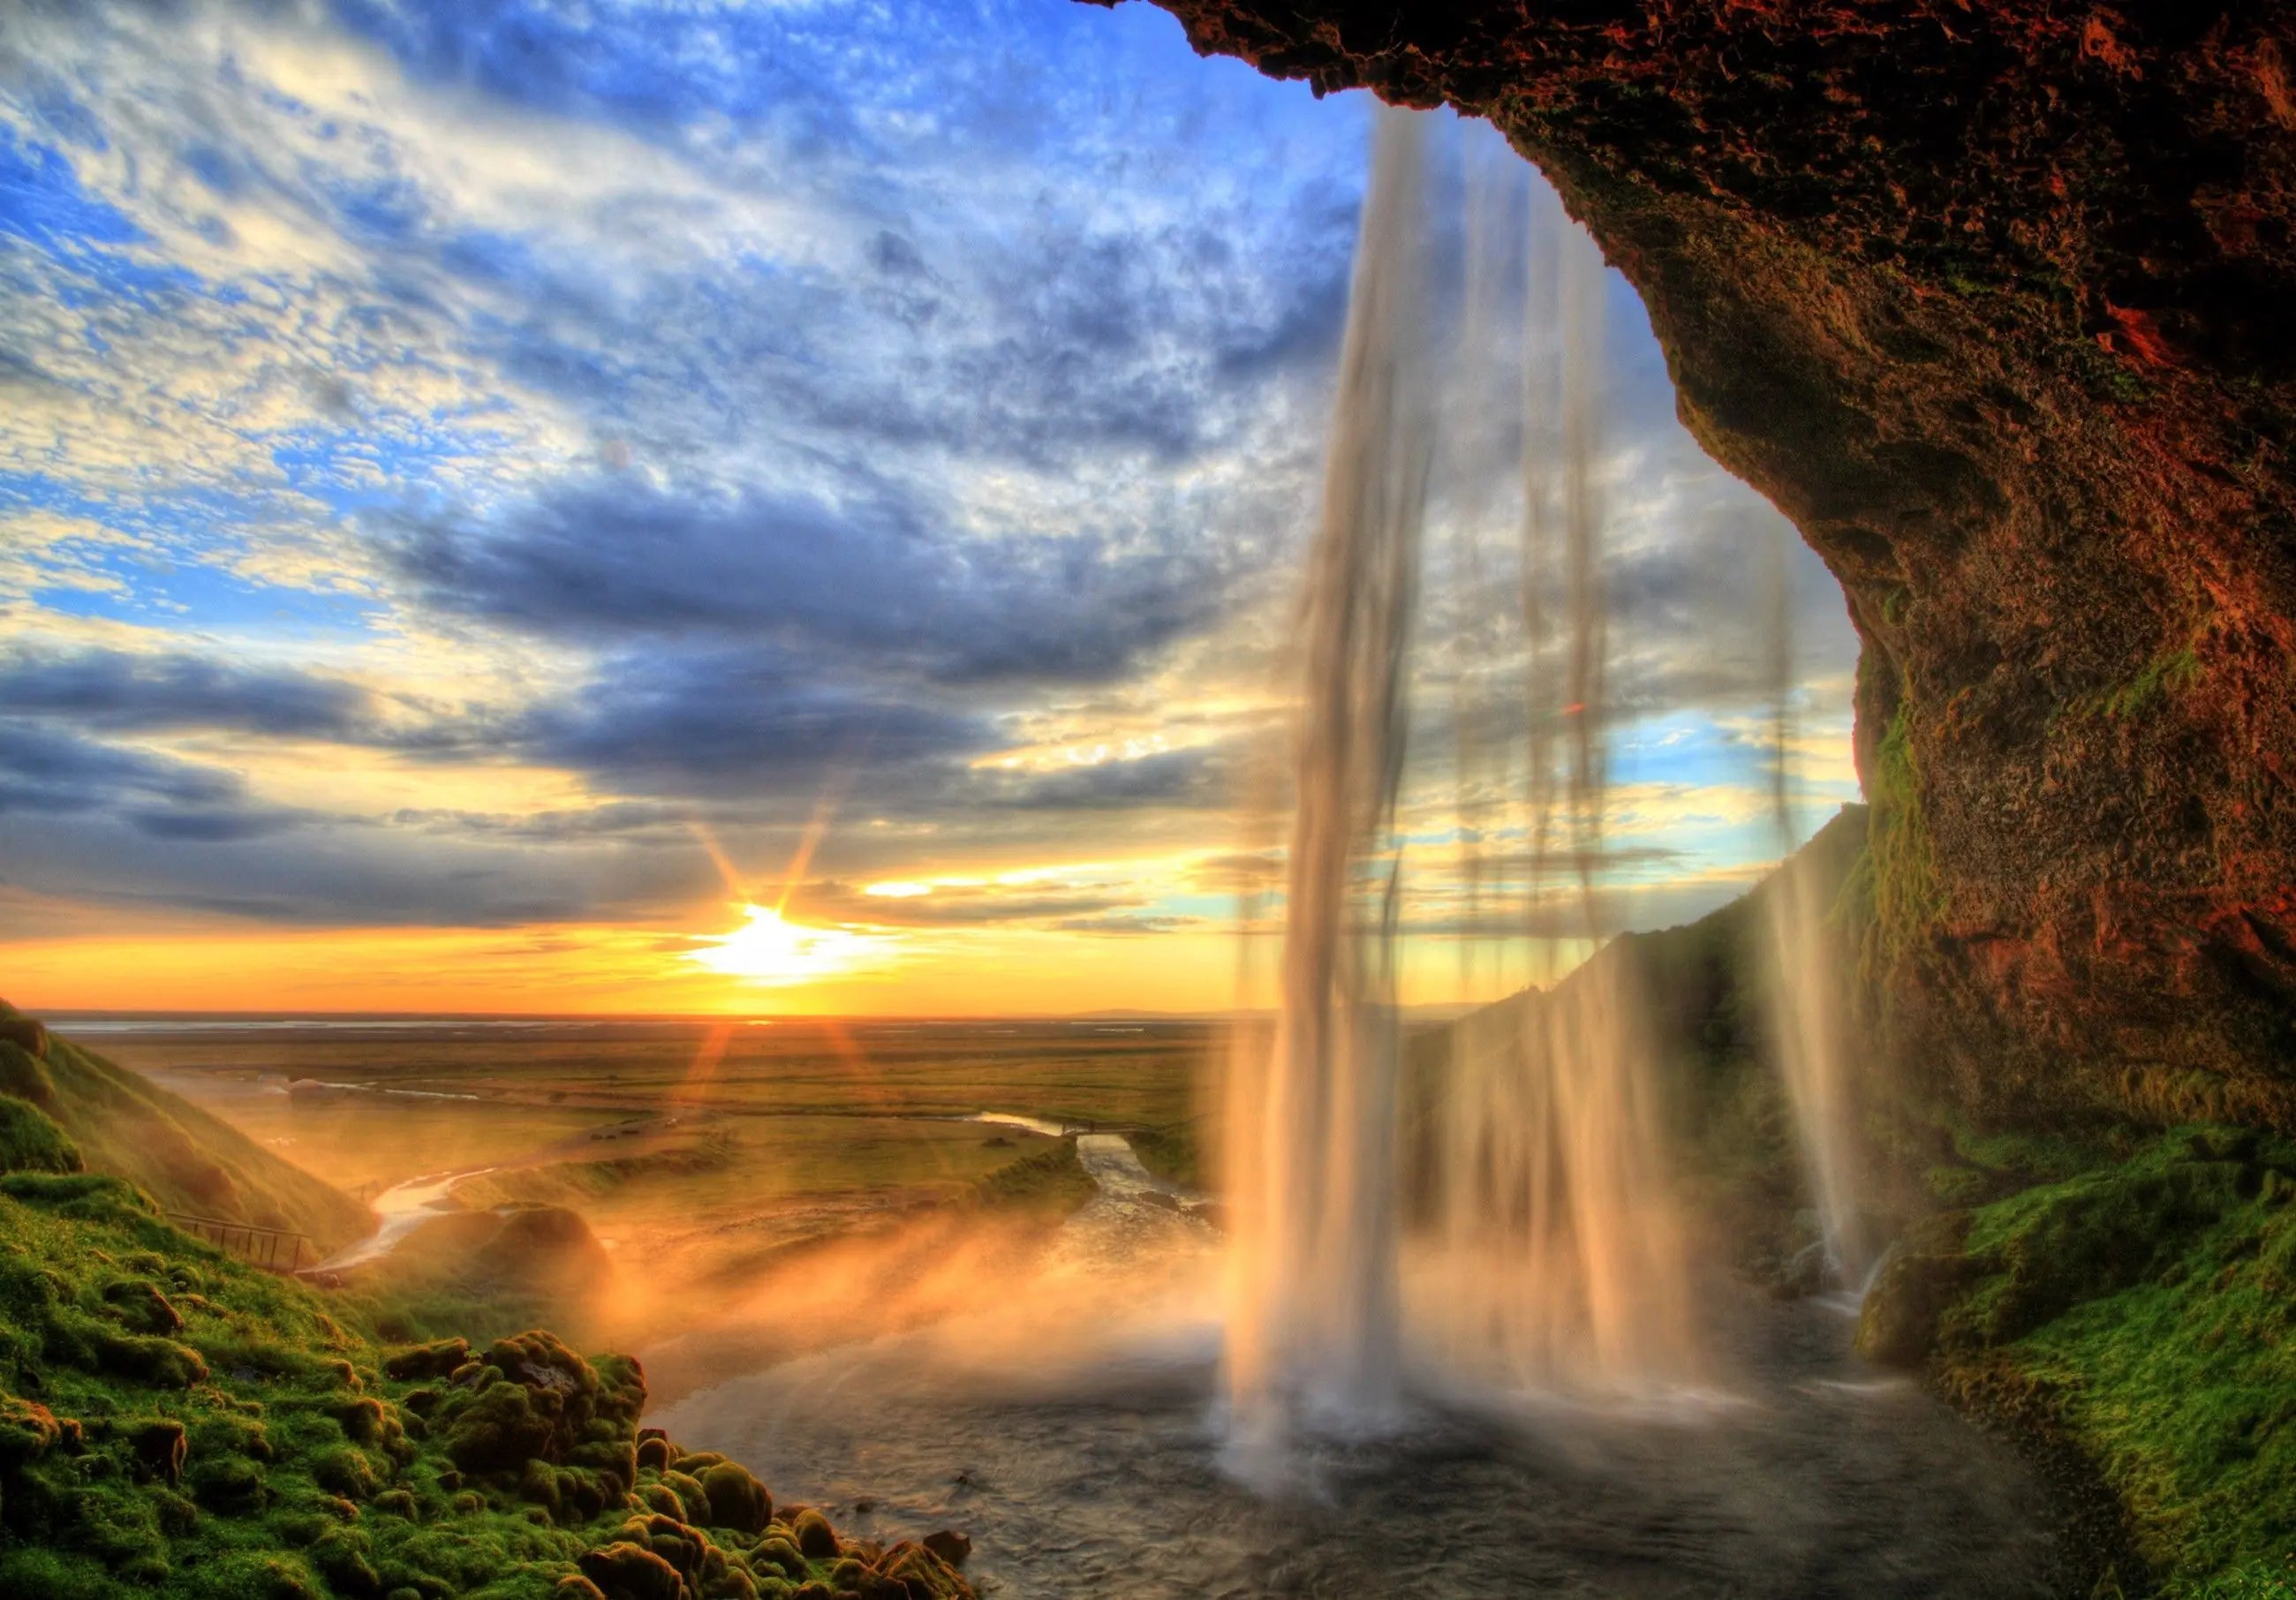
{"x":173,"y":1422}
{"x":2134,"y":1297}
{"x":1049,"y":1183}
{"x":183,"y":1157}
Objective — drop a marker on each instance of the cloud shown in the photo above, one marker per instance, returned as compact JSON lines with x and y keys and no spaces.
{"x":60,"y":775}
{"x":604,"y":421}
{"x":120,"y":691}
{"x":758,"y":724}
{"x":873,"y":578}
{"x":43,"y":770}
{"x":1199,"y":778}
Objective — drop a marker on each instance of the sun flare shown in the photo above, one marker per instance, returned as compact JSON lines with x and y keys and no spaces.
{"x":768,"y":948}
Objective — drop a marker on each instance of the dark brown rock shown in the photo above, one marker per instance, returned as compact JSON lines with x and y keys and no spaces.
{"x":952,"y":1547}
{"x":1997,"y":301}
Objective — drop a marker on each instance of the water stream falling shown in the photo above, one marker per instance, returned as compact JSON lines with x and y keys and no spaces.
{"x":1559,"y":1256}
{"x":1451,"y":1281}
{"x":1553,"y":1255}
{"x":1806,"y":984}
{"x":1316,"y":1327}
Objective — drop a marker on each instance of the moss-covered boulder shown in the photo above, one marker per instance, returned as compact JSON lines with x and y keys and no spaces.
{"x":530,"y":1398}
{"x":1921,"y":1276}
{"x":737,"y":1500}
{"x":814,"y":1535}
{"x":31,"y":1142}
{"x":628,"y":1570}
{"x":439,"y":1359}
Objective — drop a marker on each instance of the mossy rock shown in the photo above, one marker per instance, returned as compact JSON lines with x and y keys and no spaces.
{"x":778,"y":1554}
{"x":31,"y":1142}
{"x":737,"y":1500}
{"x":814,"y":1536}
{"x":27,"y":1431}
{"x":920,"y":1574}
{"x":532,"y":1398}
{"x":139,"y":1304}
{"x":624,"y":1571}
{"x":1920,"y":1279}
{"x":439,"y":1359}
{"x":158,"y":1448}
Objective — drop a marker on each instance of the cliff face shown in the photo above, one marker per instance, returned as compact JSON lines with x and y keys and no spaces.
{"x":1996,"y":300}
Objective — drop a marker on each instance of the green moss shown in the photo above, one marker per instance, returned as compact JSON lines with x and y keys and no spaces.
{"x":269,"y":1446}
{"x":1907,"y":902}
{"x":2149,"y":1301}
{"x":1956,"y":1185}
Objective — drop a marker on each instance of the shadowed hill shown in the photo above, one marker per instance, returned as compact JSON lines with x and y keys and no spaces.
{"x":183,"y":1158}
{"x":1727,"y":1115}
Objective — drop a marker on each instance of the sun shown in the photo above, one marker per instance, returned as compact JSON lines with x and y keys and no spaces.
{"x":769,"y":949}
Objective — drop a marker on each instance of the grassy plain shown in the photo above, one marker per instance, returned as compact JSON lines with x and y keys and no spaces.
{"x":709,"y":1146}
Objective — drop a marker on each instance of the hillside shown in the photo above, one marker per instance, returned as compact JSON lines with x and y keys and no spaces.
{"x":174,"y":1422}
{"x":185,"y":1159}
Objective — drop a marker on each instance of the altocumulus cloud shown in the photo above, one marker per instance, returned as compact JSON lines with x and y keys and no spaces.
{"x":714,"y":404}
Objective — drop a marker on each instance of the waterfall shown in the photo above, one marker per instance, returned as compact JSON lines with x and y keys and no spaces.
{"x":1560,"y":1256}
{"x":1804,"y":982}
{"x":1314,"y":1331}
{"x":1548,"y":1248}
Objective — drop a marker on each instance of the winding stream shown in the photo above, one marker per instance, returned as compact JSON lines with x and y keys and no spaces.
{"x":399,"y":1210}
{"x":1088,"y":1463}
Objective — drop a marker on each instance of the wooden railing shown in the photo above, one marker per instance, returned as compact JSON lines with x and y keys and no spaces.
{"x":271,"y":1248}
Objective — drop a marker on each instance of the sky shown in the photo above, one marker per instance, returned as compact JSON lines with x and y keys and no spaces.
{"x":700,"y":505}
